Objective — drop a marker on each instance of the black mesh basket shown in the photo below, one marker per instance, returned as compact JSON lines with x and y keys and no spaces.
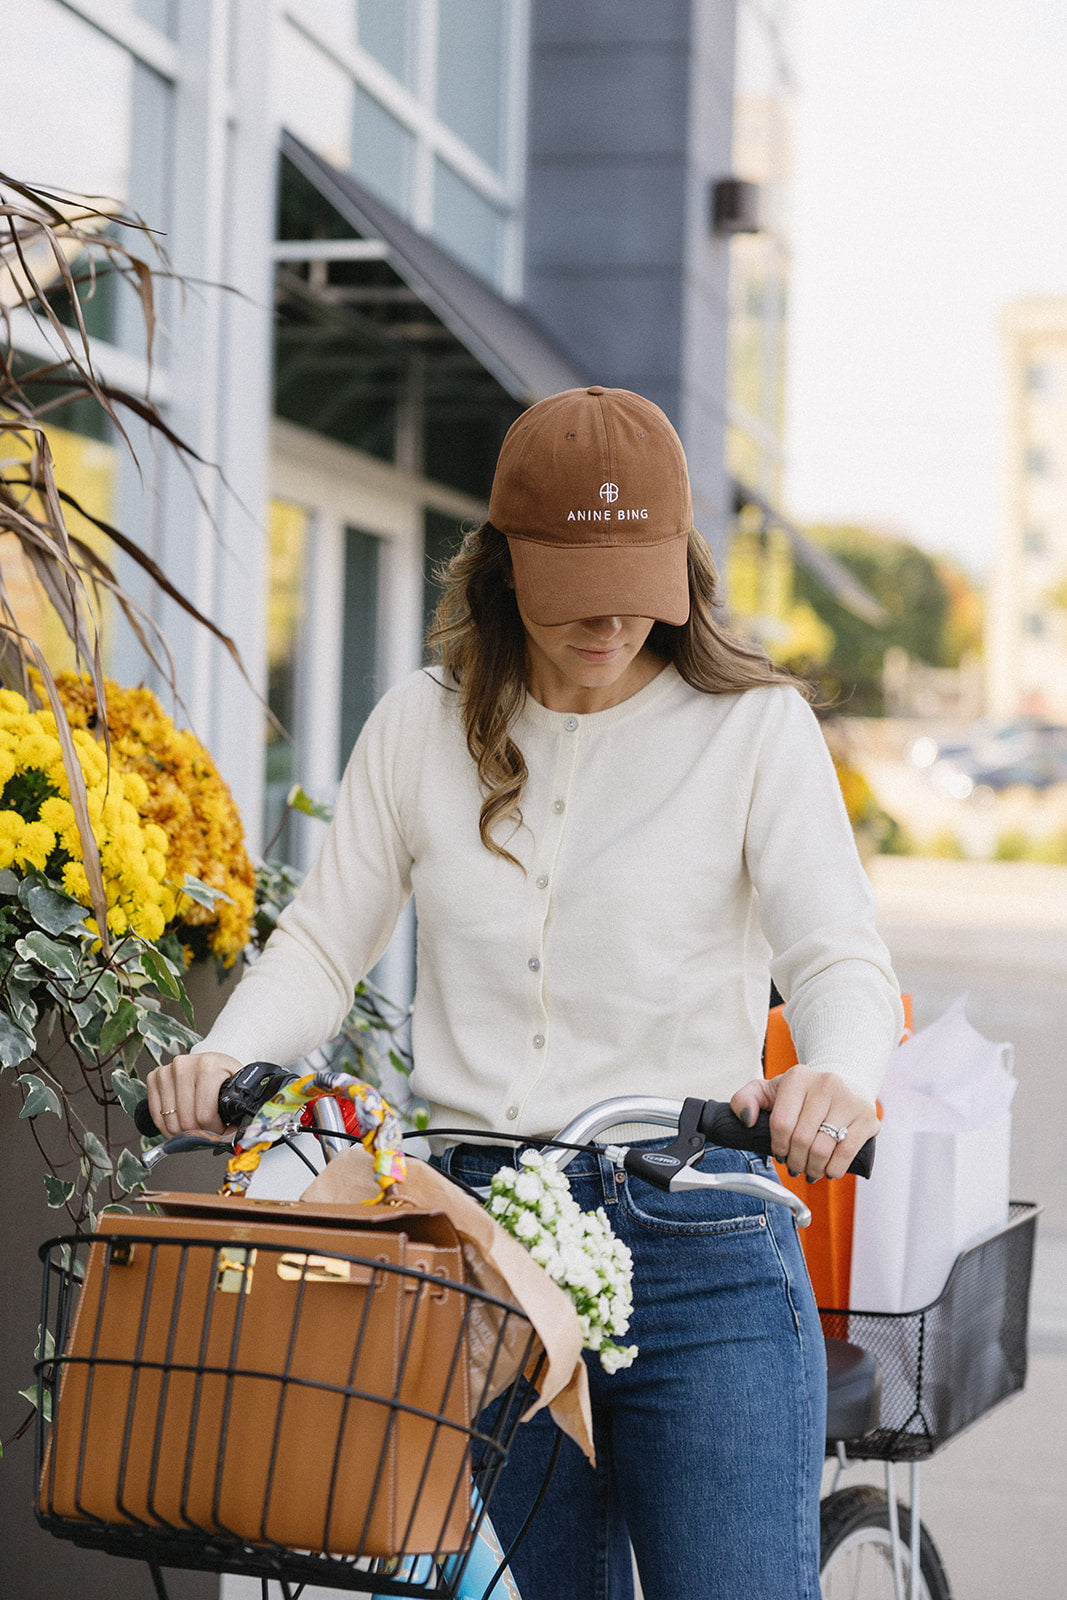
{"x":276,"y":1411}
{"x":947,"y":1364}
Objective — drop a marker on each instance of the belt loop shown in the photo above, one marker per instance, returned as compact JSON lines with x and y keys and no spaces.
{"x":607,"y":1182}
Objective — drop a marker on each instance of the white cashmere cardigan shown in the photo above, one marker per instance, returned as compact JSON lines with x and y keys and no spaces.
{"x":676,"y":850}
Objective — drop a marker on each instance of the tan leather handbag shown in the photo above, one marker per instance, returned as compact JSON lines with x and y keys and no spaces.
{"x":290,"y":1374}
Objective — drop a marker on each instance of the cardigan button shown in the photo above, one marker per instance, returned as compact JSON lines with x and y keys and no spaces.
{"x":558,"y":806}
{"x":571,"y":724}
{"x":533,"y":964}
{"x":511,"y":1113}
{"x":542,"y":882}
{"x":539,"y":1041}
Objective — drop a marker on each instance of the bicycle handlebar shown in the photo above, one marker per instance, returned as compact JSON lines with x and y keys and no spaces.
{"x":242,"y":1095}
{"x":719,"y":1124}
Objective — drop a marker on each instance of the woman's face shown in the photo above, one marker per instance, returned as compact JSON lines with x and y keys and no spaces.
{"x":589,"y":665}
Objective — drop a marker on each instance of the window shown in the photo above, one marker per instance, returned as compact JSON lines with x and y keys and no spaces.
{"x":97,"y":95}
{"x":162,"y":14}
{"x":316,"y":98}
{"x":472,"y":71}
{"x":85,"y":467}
{"x":383,"y":151}
{"x":333,"y":21}
{"x":467,"y":224}
{"x":387,"y":32}
{"x":289,"y":529}
{"x":359,"y":650}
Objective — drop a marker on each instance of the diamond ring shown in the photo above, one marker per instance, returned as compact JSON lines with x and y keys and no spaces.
{"x":836,"y":1134}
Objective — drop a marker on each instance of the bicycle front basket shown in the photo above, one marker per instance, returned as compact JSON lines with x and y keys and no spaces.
{"x":221,"y":1386}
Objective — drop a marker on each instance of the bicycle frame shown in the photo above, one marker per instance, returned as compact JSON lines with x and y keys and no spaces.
{"x":649,"y":1112}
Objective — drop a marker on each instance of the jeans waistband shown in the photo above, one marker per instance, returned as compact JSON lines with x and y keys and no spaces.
{"x":485,"y":1159}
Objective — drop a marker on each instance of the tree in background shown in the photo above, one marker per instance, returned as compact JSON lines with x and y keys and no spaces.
{"x":921,"y":597}
{"x":962,"y":633}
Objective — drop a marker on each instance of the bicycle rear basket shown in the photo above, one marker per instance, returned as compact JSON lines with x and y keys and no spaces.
{"x":241,"y":1405}
{"x":947,"y":1364}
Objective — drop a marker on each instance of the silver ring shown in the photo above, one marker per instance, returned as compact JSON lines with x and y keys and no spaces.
{"x":173,"y":1112}
{"x":836,"y":1134}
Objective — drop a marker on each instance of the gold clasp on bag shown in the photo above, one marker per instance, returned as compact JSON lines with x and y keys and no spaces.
{"x":234,"y":1270}
{"x":316,"y":1269}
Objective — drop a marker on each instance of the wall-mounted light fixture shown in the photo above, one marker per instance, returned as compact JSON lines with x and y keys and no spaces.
{"x":735,"y":206}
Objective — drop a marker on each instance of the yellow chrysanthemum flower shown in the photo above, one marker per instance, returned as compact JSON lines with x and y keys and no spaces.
{"x":136,"y":789}
{"x":186,"y":814}
{"x":75,"y":882}
{"x":155,"y":838}
{"x":158,"y":811}
{"x":11,"y":825}
{"x":35,"y":844}
{"x":57,"y":814}
{"x":36,"y":750}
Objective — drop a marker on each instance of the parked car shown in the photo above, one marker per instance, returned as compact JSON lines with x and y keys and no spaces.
{"x":1029,"y":751}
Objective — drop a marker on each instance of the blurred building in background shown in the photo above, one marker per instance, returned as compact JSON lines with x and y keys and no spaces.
{"x":1026,"y":636}
{"x":752,"y":208}
{"x":430,"y":213}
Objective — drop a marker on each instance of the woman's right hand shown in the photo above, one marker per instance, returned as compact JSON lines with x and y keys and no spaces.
{"x":183,"y":1094}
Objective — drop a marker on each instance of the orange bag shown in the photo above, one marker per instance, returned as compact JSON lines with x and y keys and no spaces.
{"x":827,"y":1243}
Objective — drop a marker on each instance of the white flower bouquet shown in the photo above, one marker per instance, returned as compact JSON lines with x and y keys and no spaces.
{"x":576,"y":1248}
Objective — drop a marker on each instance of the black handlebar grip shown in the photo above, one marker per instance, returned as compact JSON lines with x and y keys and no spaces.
{"x":143,"y":1119}
{"x":239,"y":1097}
{"x":719,"y":1124}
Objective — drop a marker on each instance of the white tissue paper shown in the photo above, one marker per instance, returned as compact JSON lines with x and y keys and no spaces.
{"x":941,"y":1172}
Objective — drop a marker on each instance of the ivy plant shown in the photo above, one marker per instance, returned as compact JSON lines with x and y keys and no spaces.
{"x":77,"y":1028}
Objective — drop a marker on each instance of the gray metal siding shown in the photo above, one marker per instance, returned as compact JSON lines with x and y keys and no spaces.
{"x":631,"y":112}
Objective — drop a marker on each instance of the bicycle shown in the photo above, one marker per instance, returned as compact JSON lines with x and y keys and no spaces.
{"x":868,"y":1541}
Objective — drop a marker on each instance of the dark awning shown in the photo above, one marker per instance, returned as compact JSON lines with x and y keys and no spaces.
{"x":502,"y":337}
{"x":824,"y":567}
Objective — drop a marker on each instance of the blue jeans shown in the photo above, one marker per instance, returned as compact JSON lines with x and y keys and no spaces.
{"x":710,"y":1447}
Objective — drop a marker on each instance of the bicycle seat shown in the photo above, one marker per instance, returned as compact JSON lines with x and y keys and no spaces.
{"x":853,"y":1390}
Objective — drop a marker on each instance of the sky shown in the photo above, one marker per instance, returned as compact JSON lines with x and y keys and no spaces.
{"x":930,"y":189}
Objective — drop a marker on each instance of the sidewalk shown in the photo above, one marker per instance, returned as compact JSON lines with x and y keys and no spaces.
{"x":997,"y":931}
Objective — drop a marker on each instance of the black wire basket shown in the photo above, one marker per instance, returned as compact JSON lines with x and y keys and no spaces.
{"x":947,"y":1364}
{"x":296,"y":1413}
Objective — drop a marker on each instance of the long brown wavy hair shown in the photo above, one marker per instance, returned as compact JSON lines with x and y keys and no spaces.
{"x":478,"y":637}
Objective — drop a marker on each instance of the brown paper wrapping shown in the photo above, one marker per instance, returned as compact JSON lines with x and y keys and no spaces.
{"x":497,"y":1264}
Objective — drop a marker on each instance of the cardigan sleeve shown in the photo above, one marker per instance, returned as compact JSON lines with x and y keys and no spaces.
{"x":297,"y":994}
{"x":816,"y":904}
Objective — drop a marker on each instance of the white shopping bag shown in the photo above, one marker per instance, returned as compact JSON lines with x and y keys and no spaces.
{"x":940,"y":1179}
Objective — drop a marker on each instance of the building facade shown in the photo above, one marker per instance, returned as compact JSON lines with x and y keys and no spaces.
{"x":427,"y":214}
{"x":399,"y":222}
{"x":1026,"y":635}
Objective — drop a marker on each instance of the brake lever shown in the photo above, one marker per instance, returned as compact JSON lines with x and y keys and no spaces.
{"x":753,"y":1183}
{"x":184,"y":1143}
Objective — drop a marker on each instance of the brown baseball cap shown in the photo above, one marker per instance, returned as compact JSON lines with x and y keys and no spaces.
{"x":592,"y":491}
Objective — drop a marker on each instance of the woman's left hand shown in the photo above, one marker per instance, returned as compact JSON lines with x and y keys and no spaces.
{"x":798,"y":1101}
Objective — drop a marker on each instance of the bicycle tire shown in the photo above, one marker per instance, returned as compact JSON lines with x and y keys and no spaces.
{"x":855,"y":1557}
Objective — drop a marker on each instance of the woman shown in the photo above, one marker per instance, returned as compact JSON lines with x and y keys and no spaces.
{"x":617,"y":823}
